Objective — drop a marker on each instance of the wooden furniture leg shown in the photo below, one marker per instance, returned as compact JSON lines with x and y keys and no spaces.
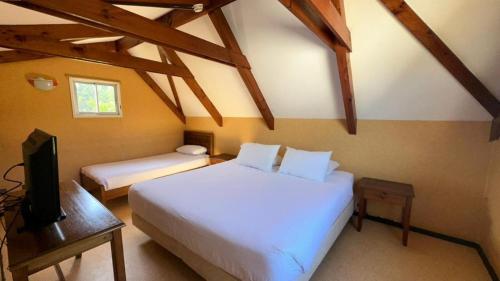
{"x":406,"y":220}
{"x":362,"y":212}
{"x":20,"y":274}
{"x":117,"y":254}
{"x":60,"y":274}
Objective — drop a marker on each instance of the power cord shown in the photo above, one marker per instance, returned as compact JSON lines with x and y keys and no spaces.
{"x":8,"y":201}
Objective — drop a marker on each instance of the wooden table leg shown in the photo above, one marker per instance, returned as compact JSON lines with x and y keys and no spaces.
{"x":406,"y":220}
{"x":117,"y":254}
{"x":60,"y":274}
{"x":362,"y":212}
{"x":20,"y":274}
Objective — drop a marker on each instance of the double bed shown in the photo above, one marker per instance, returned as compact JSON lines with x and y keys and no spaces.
{"x":112,"y":180}
{"x":232,"y":222}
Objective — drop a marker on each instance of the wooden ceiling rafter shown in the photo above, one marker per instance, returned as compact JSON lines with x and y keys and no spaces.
{"x":308,"y":16}
{"x":193,"y":85}
{"x":17,"y":56}
{"x":158,"y":3}
{"x":171,"y":82}
{"x":174,"y":19}
{"x":431,"y":41}
{"x":229,"y":40}
{"x":161,"y":94}
{"x":53,"y":47}
{"x":106,"y":16}
{"x":332,"y":17}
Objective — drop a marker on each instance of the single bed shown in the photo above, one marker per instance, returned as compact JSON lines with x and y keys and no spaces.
{"x":112,"y":180}
{"x":231,"y":222}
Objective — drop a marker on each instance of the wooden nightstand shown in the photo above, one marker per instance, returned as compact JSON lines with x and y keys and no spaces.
{"x":385,"y":191}
{"x":216,"y":159}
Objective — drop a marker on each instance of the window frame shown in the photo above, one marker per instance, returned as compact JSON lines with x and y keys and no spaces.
{"x":74,"y":99}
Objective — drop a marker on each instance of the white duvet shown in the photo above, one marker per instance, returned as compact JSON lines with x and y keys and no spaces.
{"x":125,"y":173}
{"x":259,"y":226}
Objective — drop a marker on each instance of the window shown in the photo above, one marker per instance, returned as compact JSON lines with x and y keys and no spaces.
{"x":95,"y":98}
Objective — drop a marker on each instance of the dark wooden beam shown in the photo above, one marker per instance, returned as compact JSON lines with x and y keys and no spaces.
{"x":59,"y":31}
{"x":495,"y":129}
{"x":106,"y":16}
{"x":423,"y":33}
{"x":16,"y":55}
{"x":174,"y":19}
{"x":164,"y":59}
{"x":159,"y":3}
{"x":229,"y":40}
{"x":312,"y":21}
{"x":345,"y":75}
{"x":161,"y":94}
{"x":332,"y":18}
{"x":194,"y":86}
{"x":45,"y":46}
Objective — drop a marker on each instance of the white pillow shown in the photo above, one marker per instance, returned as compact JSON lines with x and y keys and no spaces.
{"x":259,"y":156}
{"x":311,"y":165}
{"x":192,"y":149}
{"x":332,"y":166}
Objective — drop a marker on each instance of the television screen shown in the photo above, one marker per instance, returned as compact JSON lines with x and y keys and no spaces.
{"x":41,"y":205}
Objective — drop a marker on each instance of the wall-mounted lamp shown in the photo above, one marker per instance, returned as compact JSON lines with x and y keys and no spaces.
{"x":41,"y":82}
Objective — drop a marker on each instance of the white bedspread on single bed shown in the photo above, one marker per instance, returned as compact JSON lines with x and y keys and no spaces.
{"x":258,"y":226}
{"x":125,"y":173}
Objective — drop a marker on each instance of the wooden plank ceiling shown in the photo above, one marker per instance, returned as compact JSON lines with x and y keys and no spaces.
{"x":100,"y":18}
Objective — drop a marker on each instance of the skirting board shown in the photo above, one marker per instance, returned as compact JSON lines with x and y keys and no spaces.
{"x":456,"y":240}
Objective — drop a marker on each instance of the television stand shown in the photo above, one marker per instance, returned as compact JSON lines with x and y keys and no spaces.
{"x":88,"y":224}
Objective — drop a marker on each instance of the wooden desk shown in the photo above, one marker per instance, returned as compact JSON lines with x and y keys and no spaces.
{"x":389,"y":192}
{"x":216,"y":159}
{"x":88,"y":224}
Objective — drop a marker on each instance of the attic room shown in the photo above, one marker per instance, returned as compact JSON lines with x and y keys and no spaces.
{"x":250,"y":140}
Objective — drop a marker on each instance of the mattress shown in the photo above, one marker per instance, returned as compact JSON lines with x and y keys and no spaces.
{"x":254,"y":225}
{"x":124,"y":173}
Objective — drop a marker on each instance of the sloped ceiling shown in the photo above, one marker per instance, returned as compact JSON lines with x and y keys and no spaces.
{"x":395,"y":78}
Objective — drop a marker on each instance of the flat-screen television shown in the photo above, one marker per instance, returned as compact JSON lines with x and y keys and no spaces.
{"x":41,"y":205}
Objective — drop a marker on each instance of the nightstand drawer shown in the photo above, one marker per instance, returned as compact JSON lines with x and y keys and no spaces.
{"x":384,"y":196}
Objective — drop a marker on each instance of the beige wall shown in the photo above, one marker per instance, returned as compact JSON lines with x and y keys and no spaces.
{"x":146,"y":128}
{"x":491,"y":242}
{"x":446,"y":161}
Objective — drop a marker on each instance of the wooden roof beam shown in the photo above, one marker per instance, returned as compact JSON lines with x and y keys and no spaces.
{"x":60,"y":31}
{"x":16,"y":55}
{"x":159,"y":3}
{"x":103,"y":15}
{"x":229,"y":40}
{"x":423,"y":33}
{"x":310,"y":19}
{"x":171,"y":83}
{"x":193,"y":85}
{"x":53,"y":47}
{"x":161,"y":94}
{"x":174,"y":19}
{"x":333,"y":19}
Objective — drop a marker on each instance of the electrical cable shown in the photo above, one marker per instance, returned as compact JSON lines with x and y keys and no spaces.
{"x":18,"y":183}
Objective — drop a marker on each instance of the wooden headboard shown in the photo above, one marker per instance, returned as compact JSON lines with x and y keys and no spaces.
{"x":205,"y":139}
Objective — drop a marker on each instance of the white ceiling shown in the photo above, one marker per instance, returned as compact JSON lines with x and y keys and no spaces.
{"x":394,"y":76}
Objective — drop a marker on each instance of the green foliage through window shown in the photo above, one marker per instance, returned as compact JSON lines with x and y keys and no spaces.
{"x":95,"y":98}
